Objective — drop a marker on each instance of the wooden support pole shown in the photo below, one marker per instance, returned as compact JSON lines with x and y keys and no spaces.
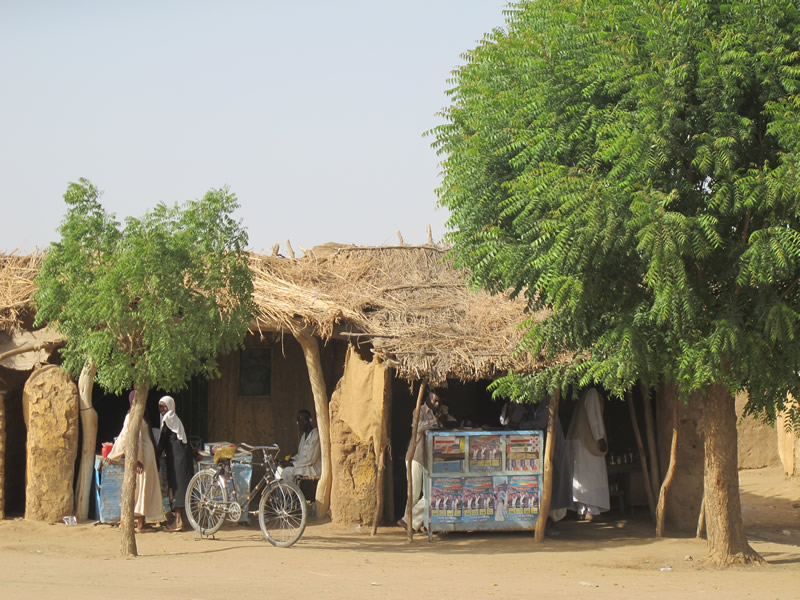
{"x":701,"y":519}
{"x":549,"y":450}
{"x":409,"y":459}
{"x":2,"y":454}
{"x":314,"y":365}
{"x":128,"y":538}
{"x":673,"y":459}
{"x":381,"y":451}
{"x":89,"y":426}
{"x":652,"y":449}
{"x":651,"y":503}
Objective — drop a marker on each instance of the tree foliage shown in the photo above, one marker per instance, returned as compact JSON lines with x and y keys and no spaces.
{"x":633,"y":168}
{"x":155,"y":301}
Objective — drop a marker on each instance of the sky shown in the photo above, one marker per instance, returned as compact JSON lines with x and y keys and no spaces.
{"x":311,"y":111}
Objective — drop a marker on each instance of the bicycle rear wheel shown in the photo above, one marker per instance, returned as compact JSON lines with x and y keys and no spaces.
{"x":206,"y":499}
{"x":282,"y":514}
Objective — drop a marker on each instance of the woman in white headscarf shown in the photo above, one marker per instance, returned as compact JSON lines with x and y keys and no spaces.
{"x":180,"y":463}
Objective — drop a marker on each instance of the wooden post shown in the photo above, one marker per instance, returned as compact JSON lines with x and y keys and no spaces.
{"x":673,"y":459}
{"x":701,"y":519}
{"x":89,"y":425}
{"x":314,"y":365}
{"x":379,"y":444}
{"x":651,"y":503}
{"x":549,"y":450}
{"x":409,"y":459}
{"x":2,"y":454}
{"x":652,"y":450}
{"x":128,"y":541}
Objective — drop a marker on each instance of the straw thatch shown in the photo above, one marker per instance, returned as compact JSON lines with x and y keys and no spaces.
{"x":408,"y":302}
{"x":16,"y":288}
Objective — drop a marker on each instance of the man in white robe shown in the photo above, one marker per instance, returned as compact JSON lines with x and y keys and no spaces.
{"x":587,"y":447}
{"x":308,"y":460}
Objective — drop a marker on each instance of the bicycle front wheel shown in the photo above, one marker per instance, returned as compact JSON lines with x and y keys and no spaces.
{"x":282,"y":514}
{"x":206,"y":499}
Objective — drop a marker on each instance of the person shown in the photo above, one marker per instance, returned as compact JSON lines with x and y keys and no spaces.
{"x":587,"y":447}
{"x":172,"y":442}
{"x":148,"y":505}
{"x":431,"y":416}
{"x":525,"y":416}
{"x":308,"y":460}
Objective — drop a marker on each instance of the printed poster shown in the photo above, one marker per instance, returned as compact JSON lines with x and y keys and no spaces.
{"x":523,"y":452}
{"x":485,"y":453}
{"x":478,"y":499}
{"x":448,"y":453}
{"x":522,"y":497}
{"x":446,"y":499}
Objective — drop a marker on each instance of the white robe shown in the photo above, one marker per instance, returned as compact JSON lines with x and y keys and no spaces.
{"x":589,"y":474}
{"x":148,"y":484}
{"x":308,"y":460}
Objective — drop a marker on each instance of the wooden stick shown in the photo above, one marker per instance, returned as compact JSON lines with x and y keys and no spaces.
{"x":289,"y":248}
{"x":28,"y":348}
{"x":89,"y":426}
{"x":651,"y":503}
{"x":430,"y":236}
{"x":701,"y":519}
{"x":549,"y":450}
{"x":673,"y":459}
{"x":400,"y":237}
{"x":380,"y":457}
{"x":412,"y":447}
{"x":652,"y":450}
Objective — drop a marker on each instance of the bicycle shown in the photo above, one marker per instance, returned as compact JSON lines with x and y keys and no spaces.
{"x":281,"y":512}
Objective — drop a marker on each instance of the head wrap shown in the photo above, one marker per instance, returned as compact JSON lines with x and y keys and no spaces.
{"x":170,"y":419}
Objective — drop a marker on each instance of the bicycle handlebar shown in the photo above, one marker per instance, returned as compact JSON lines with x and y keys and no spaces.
{"x":251,"y":448}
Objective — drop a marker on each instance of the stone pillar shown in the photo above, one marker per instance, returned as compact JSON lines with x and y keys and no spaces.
{"x":50,"y":405}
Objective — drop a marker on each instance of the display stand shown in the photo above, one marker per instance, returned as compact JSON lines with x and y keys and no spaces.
{"x":482,"y":480}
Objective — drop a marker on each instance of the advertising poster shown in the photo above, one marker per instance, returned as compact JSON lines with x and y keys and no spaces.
{"x":478,"y":499}
{"x":522,"y":497}
{"x":448,"y":453}
{"x":485,"y":453}
{"x":523,"y":452}
{"x":500,"y":490}
{"x":446,"y":499}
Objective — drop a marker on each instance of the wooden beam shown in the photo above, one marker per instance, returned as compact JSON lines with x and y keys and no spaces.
{"x":409,"y":459}
{"x":89,"y":436}
{"x":549,"y":450}
{"x":651,"y":502}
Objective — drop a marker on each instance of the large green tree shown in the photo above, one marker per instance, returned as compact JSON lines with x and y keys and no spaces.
{"x":632,"y":167}
{"x":151,"y":304}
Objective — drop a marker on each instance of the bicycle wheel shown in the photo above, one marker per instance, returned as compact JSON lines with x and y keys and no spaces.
{"x":282,"y":514}
{"x":206,"y":499}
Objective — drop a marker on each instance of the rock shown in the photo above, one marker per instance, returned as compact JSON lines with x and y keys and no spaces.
{"x":50,"y":401}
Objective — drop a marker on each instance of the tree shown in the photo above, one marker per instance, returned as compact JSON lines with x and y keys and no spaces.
{"x":152,"y":304}
{"x":632,"y":167}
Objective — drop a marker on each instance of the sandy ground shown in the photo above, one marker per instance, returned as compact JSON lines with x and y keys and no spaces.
{"x":615,"y":559}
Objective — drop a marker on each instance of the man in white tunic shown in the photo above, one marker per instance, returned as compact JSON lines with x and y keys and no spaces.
{"x":308,"y":460}
{"x":587,"y":447}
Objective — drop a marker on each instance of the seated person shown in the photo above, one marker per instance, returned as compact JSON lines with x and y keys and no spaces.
{"x":308,"y":460}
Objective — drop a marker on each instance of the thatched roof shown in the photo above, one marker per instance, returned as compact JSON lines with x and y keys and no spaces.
{"x":408,"y":302}
{"x":16,"y":287}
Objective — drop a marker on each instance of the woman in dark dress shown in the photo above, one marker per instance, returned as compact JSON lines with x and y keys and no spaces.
{"x":180,"y":462}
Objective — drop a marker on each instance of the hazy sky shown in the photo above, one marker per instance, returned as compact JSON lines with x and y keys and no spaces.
{"x":311,"y":111}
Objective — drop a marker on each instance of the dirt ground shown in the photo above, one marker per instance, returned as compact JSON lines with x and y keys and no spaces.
{"x":618,"y":558}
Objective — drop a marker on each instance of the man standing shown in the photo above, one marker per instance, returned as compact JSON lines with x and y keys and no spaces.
{"x":587,"y":447}
{"x":308,"y":460}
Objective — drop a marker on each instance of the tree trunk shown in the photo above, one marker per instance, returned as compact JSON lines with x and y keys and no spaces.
{"x":651,"y":502}
{"x":128,"y":544}
{"x":673,"y":459}
{"x":409,"y":459}
{"x":727,"y":543}
{"x":314,"y":366}
{"x":89,"y":425}
{"x":549,"y":449}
